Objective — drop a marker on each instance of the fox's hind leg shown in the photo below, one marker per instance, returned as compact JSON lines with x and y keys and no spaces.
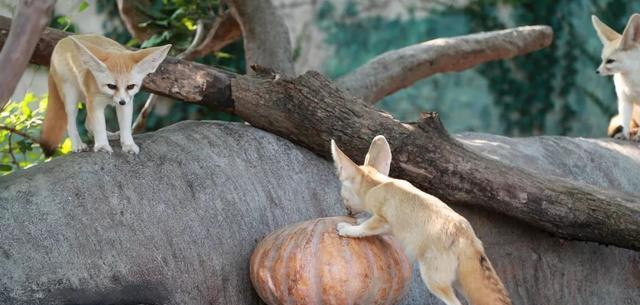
{"x":71,"y":97}
{"x":438,"y":272}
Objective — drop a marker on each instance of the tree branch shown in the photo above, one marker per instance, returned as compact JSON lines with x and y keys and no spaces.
{"x":398,"y":69}
{"x":268,"y":48}
{"x":23,"y":134}
{"x":32,"y":17}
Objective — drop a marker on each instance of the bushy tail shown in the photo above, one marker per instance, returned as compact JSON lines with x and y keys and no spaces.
{"x":479,"y":281}
{"x":55,"y":120}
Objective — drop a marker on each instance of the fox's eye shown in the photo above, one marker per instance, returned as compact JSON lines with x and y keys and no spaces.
{"x":610,"y":61}
{"x":112,"y":86}
{"x":130,"y":87}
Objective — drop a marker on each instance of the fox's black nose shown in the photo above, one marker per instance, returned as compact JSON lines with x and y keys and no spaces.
{"x":597,"y":71}
{"x":122,"y":102}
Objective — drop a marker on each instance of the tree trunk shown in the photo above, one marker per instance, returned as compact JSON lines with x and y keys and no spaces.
{"x":31,"y":18}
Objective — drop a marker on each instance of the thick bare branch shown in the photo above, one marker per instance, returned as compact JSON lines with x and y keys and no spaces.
{"x":398,"y":69}
{"x":32,"y":17}
{"x":266,"y":36}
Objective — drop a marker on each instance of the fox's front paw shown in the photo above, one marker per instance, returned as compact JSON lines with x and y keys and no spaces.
{"x":347,"y":230}
{"x":102,"y":147}
{"x":131,"y":148}
{"x":79,"y":147}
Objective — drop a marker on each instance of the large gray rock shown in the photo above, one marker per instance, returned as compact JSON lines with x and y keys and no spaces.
{"x":607,"y":163}
{"x":177,"y":223}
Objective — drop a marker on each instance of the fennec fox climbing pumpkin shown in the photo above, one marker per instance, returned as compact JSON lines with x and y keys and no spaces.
{"x":101,"y":72}
{"x":442,"y":241}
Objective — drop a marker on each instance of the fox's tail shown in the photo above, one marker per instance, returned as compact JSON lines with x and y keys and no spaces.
{"x":55,"y":120}
{"x":479,"y":281}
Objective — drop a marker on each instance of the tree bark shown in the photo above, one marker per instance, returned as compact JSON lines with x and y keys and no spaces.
{"x":310,"y":111}
{"x":401,"y":68}
{"x":31,"y":18}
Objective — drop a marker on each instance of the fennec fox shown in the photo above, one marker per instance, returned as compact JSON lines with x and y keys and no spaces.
{"x":621,"y":58}
{"x":442,"y":241}
{"x":101,"y":72}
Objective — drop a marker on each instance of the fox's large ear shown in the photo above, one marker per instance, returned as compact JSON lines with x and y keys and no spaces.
{"x":95,"y":65}
{"x":149,"y":59}
{"x":379,"y":155}
{"x":605,"y":33}
{"x":631,"y":34}
{"x":345,"y":167}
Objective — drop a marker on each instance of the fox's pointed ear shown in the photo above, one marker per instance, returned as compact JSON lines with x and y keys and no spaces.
{"x":605,"y":33}
{"x":631,"y":34}
{"x":379,"y":155}
{"x":149,"y":59}
{"x":345,"y":167}
{"x":95,"y":65}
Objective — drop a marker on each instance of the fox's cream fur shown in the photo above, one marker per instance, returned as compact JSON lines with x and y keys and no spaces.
{"x":442,"y":241}
{"x":621,"y":58}
{"x":100,"y":72}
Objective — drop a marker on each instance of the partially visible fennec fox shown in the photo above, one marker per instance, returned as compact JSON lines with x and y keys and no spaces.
{"x":442,"y":241}
{"x":100,"y":72}
{"x":621,"y":58}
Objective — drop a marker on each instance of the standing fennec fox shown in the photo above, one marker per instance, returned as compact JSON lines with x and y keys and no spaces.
{"x":101,"y":72}
{"x":442,"y":241}
{"x":621,"y":58}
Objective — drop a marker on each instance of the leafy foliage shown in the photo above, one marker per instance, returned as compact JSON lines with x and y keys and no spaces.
{"x":20,"y":126}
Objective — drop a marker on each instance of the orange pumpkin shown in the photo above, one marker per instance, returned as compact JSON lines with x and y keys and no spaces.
{"x":308,"y":263}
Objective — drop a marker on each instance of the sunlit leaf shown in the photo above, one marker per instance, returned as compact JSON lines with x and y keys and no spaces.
{"x":223,"y":55}
{"x":189,"y":24}
{"x":66,"y":146}
{"x":83,"y":6}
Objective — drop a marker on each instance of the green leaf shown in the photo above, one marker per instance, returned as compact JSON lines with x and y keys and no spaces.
{"x":152,"y":41}
{"x":5,"y":168}
{"x":83,"y":6}
{"x":223,"y":55}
